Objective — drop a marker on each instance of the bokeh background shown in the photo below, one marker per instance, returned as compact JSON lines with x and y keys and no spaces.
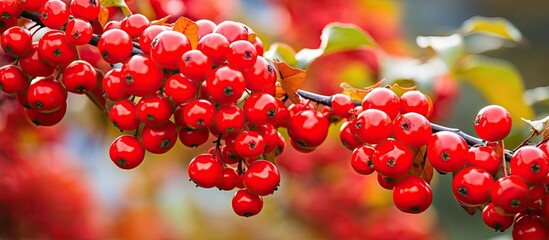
{"x":59,"y":183}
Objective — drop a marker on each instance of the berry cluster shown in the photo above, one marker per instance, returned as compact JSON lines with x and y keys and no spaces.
{"x":392,"y":136}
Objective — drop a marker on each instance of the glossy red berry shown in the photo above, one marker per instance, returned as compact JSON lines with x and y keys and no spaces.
{"x":115,"y":46}
{"x":412,"y":129}
{"x":16,"y":41}
{"x":134,"y":25}
{"x":446,"y":151}
{"x":154,"y":110}
{"x":32,"y":64}
{"x":249,"y":144}
{"x":215,"y":46}
{"x":530,"y":228}
{"x":195,"y":65}
{"x":199,"y":113}
{"x":496,"y":219}
{"x":308,"y":128}
{"x":361,"y":160}
{"x":149,"y":34}
{"x":262,"y":178}
{"x":30,"y":5}
{"x":143,"y":77}
{"x":412,"y":195}
{"x":225,"y":85}
{"x":493,"y":123}
{"x":160,"y":139}
{"x":386,"y":182}
{"x":415,"y":101}
{"x":230,"y":179}
{"x":54,"y":14}
{"x":260,"y":108}
{"x":471,"y":186}
{"x":123,"y":114}
{"x":127,"y":152}
{"x":206,"y":170}
{"x":241,"y":54}
{"x":342,"y":105}
{"x":85,"y":9}
{"x":12,"y":79}
{"x":246,"y":204}
{"x":347,"y":137}
{"x":193,"y":137}
{"x":373,"y":126}
{"x":270,"y":137}
{"x":392,"y":159}
{"x":54,"y":48}
{"x":233,"y":31}
{"x":229,"y":119}
{"x":484,"y":157}
{"x":382,"y":99}
{"x":509,"y":194}
{"x":167,"y":48}
{"x":530,"y":164}
{"x":205,"y":27}
{"x":46,"y":95}
{"x":46,"y":119}
{"x":180,"y":89}
{"x":80,"y":77}
{"x":114,"y":85}
{"x":260,"y":76}
{"x":78,"y":32}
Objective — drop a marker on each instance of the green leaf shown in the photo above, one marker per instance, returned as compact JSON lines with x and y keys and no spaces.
{"x":499,"y":82}
{"x":283,"y":52}
{"x":492,"y":26}
{"x":335,"y":37}
{"x":117,"y":3}
{"x":448,"y":48}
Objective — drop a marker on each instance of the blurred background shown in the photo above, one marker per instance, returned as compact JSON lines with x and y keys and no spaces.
{"x":59,"y":182}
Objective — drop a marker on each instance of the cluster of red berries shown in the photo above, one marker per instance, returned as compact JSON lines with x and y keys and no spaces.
{"x":387,"y":134}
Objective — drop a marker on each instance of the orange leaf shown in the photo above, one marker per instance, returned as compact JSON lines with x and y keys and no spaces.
{"x":470,"y":210}
{"x":427,"y":174}
{"x":251,"y":37}
{"x":399,"y":90}
{"x":291,"y":79}
{"x":160,"y":21}
{"x":103,"y":16}
{"x":357,"y":94}
{"x":189,"y":28}
{"x":279,"y":92}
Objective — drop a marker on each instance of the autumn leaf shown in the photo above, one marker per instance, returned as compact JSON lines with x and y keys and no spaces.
{"x":117,"y":3}
{"x":189,"y":28}
{"x":357,"y":94}
{"x":470,"y":210}
{"x":160,"y":21}
{"x":291,"y":79}
{"x":251,"y":37}
{"x":427,"y":173}
{"x":539,"y":126}
{"x":103,"y":16}
{"x":399,"y":90}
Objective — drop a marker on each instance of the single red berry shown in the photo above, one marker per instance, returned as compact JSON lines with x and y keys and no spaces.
{"x":78,"y":32}
{"x":258,"y":44}
{"x":471,"y":186}
{"x":361,"y":160}
{"x":412,"y":195}
{"x":54,"y":14}
{"x":415,"y":101}
{"x":493,"y":123}
{"x":206,"y":170}
{"x":54,"y":48}
{"x":260,"y":76}
{"x":80,"y":77}
{"x":205,"y":27}
{"x":180,"y":89}
{"x":373,"y":126}
{"x":249,"y":144}
{"x":260,"y":108}
{"x":392,"y":159}
{"x":12,"y":79}
{"x":347,"y":137}
{"x":134,"y":25}
{"x":230,"y":179}
{"x":85,"y":9}
{"x":34,"y":65}
{"x":233,"y":31}
{"x":16,"y":41}
{"x":199,"y":113}
{"x":241,"y":54}
{"x":383,"y":99}
{"x":412,"y":129}
{"x":229,"y":119}
{"x":114,"y":85}
{"x":484,"y":157}
{"x":536,"y":193}
{"x":215,"y":46}
{"x":195,"y":65}
{"x":246,"y":204}
{"x":111,"y":25}
{"x":225,"y":85}
{"x":149,"y":34}
{"x":30,"y":5}
{"x":342,"y":105}
{"x":530,"y":228}
{"x":270,"y":137}
{"x":46,"y":119}
{"x":123,"y":114}
{"x":262,"y":178}
{"x":446,"y":151}
{"x":143,"y":77}
{"x":46,"y":95}
{"x":154,"y":110}
{"x":308,"y":129}
{"x":127,"y":152}
{"x":495,"y":219}
{"x":115,"y":46}
{"x":510,"y":194}
{"x":167,"y":48}
{"x":530,"y":164}
{"x":161,"y":139}
{"x":386,"y":182}
{"x":282,"y":115}
{"x":193,"y":137}
{"x":229,"y":157}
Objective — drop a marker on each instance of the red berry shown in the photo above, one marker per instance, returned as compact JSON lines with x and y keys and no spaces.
{"x":206,"y":170}
{"x":123,"y":114}
{"x":205,"y":27}
{"x":16,"y":41}
{"x":361,"y":160}
{"x":233,"y":31}
{"x":471,"y":186}
{"x":54,"y":14}
{"x":85,"y":9}
{"x":383,"y":99}
{"x":249,"y":144}
{"x":308,"y":129}
{"x":412,"y":129}
{"x":484,"y":157}
{"x":373,"y":126}
{"x":261,"y":178}
{"x":260,"y":76}
{"x":127,"y":152}
{"x":215,"y":46}
{"x":154,"y":110}
{"x":54,"y":48}
{"x":12,"y":79}
{"x":80,"y":77}
{"x":167,"y":48}
{"x":270,"y":137}
{"x":342,"y":105}
{"x":246,"y":204}
{"x":412,"y":195}
{"x":161,"y":139}
{"x":414,"y":101}
{"x":386,"y":182}
{"x":495,"y":219}
{"x":115,"y":46}
{"x":260,"y":108}
{"x":510,"y":194}
{"x":34,"y":65}
{"x":225,"y":85}
{"x":530,"y":228}
{"x":392,"y":159}
{"x":199,"y":113}
{"x":114,"y":85}
{"x":134,"y":25}
{"x":149,"y":34}
{"x":493,"y":123}
{"x":46,"y":95}
{"x":180,"y":89}
{"x":530,"y":164}
{"x":195,"y":65}
{"x":229,"y":119}
{"x":46,"y":119}
{"x":30,"y":5}
{"x":446,"y":151}
{"x":230,"y":179}
{"x":78,"y":32}
{"x":193,"y":137}
{"x":347,"y":137}
{"x":143,"y":77}
{"x":241,"y":54}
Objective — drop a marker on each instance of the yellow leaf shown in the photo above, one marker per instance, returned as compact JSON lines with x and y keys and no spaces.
{"x":103,"y":16}
{"x":117,"y":3}
{"x":291,"y":79}
{"x":160,"y":21}
{"x":357,"y":94}
{"x":189,"y":28}
{"x":251,"y":37}
{"x":279,"y":92}
{"x":493,"y":26}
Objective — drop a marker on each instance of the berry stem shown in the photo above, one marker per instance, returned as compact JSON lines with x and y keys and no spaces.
{"x":525,"y":141}
{"x":503,"y":163}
